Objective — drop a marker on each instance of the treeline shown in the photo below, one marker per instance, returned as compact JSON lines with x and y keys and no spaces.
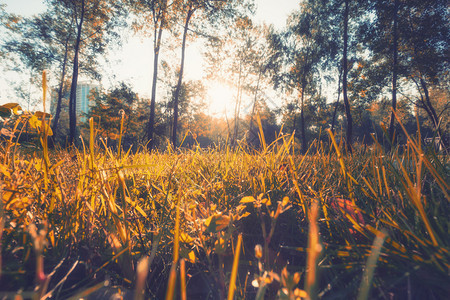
{"x":381,"y":58}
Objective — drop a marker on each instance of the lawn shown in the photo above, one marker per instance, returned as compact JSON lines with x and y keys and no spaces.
{"x":217,"y":223}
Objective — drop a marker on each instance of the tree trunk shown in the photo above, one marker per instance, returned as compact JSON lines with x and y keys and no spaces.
{"x":151,"y":122}
{"x":60,"y":91}
{"x":73,"y":87}
{"x":302,"y":118}
{"x":433,"y":116}
{"x":337,"y":101}
{"x":344,"y":82}
{"x":237,"y":106}
{"x":253,"y":135}
{"x":180,"y":78}
{"x":394,"y":73}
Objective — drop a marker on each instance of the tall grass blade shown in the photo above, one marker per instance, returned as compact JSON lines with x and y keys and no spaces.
{"x":176,"y":245}
{"x":183,"y":279}
{"x":314,"y":250}
{"x":234,"y":270}
{"x":141,"y":276}
{"x":371,"y":264}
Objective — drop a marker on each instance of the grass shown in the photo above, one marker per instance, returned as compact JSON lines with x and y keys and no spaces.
{"x":184,"y":224}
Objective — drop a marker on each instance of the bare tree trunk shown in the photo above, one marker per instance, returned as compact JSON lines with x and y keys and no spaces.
{"x":60,"y":91}
{"x":337,"y":101}
{"x":344,"y":82}
{"x":433,"y":115}
{"x":394,"y":73}
{"x":253,"y":135}
{"x":151,"y":122}
{"x":180,"y":78}
{"x":302,"y":118}
{"x":73,"y":87}
{"x":237,"y":106}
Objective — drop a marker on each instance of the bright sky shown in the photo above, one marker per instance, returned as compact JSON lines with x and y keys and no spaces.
{"x":133,"y":62}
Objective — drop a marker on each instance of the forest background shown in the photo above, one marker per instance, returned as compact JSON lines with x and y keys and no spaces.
{"x":334,"y":65}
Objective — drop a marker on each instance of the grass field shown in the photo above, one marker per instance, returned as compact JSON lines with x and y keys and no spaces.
{"x":223,"y":223}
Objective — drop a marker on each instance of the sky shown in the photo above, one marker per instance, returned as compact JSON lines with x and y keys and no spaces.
{"x":132,"y":63}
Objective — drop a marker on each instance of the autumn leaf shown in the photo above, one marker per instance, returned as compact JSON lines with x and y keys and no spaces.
{"x":248,"y":199}
{"x":216,"y":223}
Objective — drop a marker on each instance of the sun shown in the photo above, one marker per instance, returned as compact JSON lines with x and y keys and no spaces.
{"x":220,"y":97}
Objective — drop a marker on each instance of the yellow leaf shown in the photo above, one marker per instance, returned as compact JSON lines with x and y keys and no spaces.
{"x":192,"y":257}
{"x":248,"y":199}
{"x":34,"y":122}
{"x":41,"y":114}
{"x":266,"y":201}
{"x":51,"y":236}
{"x":185,"y":238}
{"x":216,"y":222}
{"x":48,"y":129}
{"x":7,"y":195}
{"x":245,"y":215}
{"x":222,"y":222}
{"x":4,"y":171}
{"x":137,"y":207}
{"x":208,"y":221}
{"x":300,"y":293}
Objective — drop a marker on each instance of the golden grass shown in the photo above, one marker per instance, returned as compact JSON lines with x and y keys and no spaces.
{"x":182,"y":210}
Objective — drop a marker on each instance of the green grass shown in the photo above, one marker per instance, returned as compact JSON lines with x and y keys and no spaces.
{"x":75,"y":220}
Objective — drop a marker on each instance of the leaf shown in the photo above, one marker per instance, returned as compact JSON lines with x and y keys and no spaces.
{"x":248,"y":199}
{"x":244,"y":215}
{"x":34,"y":122}
{"x":216,"y":223}
{"x":8,"y":108}
{"x":5,"y":112}
{"x":191,"y":257}
{"x":266,"y":201}
{"x":185,"y":238}
{"x":7,"y":132}
{"x":48,"y":129}
{"x":41,"y":114}
{"x":4,"y":171}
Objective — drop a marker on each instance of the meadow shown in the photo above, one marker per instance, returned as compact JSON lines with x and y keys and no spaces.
{"x":222,"y":223}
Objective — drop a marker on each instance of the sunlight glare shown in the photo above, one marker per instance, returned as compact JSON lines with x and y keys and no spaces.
{"x":220,"y":98}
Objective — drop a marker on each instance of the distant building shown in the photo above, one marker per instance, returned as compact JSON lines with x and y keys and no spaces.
{"x":83,"y":106}
{"x":84,"y":90}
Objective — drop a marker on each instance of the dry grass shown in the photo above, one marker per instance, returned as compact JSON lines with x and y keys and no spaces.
{"x":74,"y":220}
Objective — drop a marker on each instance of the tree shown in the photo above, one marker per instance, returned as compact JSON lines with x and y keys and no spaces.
{"x":108,"y":110}
{"x":191,"y":7}
{"x":238,"y":59}
{"x":344,"y":79}
{"x":157,"y":12}
{"x":411,"y":38}
{"x":394,"y":68}
{"x":93,"y":20}
{"x":305,"y":57}
{"x":426,"y":42}
{"x":92,"y":23}
{"x":309,"y":47}
{"x":69,"y":30}
{"x":211,"y":9}
{"x":41,"y":42}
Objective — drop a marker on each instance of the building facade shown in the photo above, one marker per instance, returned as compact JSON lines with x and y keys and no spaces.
{"x":84,"y":100}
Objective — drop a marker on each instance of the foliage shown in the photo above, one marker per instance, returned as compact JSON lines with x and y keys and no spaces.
{"x":109,"y":109}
